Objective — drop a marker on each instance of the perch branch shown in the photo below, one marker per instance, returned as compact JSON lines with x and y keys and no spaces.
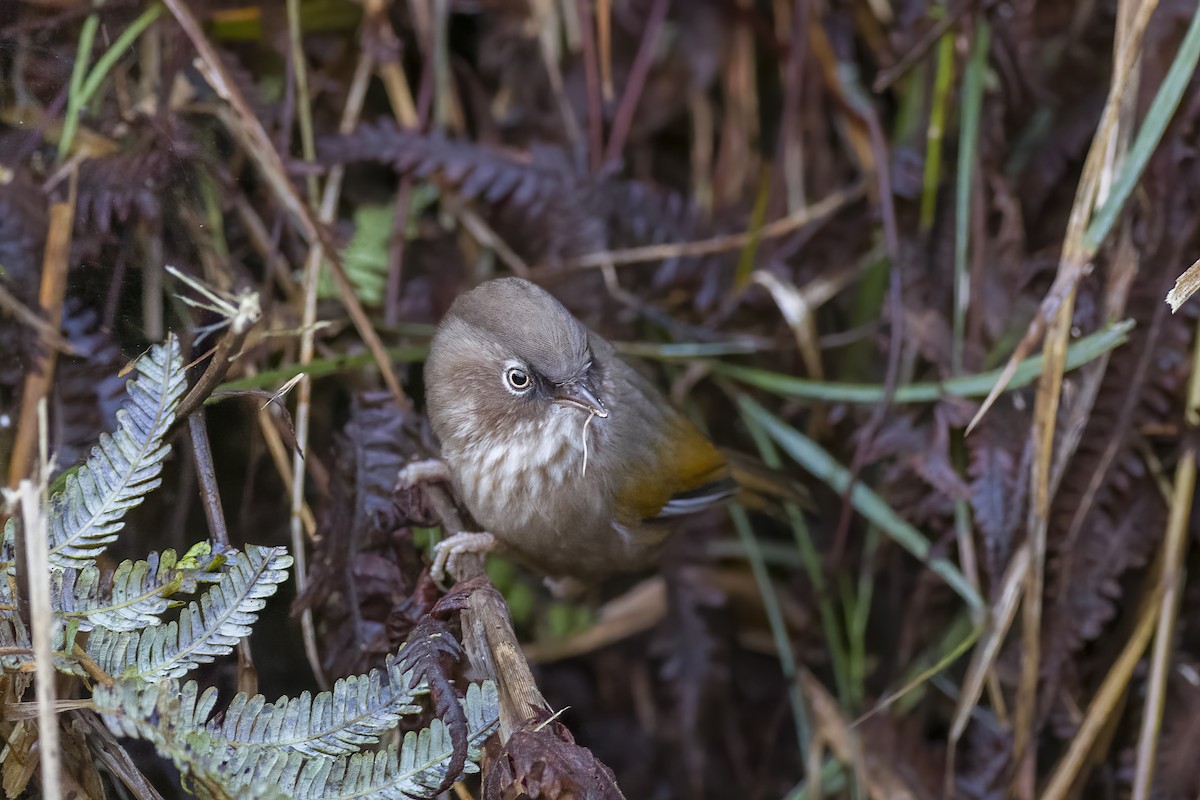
{"x":488,"y":635}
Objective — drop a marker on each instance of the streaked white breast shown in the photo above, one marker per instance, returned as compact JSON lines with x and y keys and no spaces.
{"x":508,"y":478}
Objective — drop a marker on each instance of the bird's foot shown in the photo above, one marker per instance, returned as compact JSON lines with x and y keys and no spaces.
{"x":429,"y":470}
{"x":447,"y":551}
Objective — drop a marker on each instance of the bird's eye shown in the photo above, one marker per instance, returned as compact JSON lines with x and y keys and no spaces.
{"x":518,"y":379}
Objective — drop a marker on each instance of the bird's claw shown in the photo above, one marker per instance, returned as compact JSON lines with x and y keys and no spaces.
{"x":447,"y":551}
{"x":429,"y":470}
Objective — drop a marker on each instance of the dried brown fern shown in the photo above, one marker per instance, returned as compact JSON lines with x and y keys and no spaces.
{"x":364,"y":564}
{"x":1098,"y":536}
{"x":88,"y":387}
{"x":23,"y":224}
{"x":548,"y":210}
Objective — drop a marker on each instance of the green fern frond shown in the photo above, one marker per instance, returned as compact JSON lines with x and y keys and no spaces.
{"x":87,"y":516}
{"x":365,"y":257}
{"x":166,"y":716}
{"x":155,"y":713}
{"x":205,"y":629}
{"x":131,"y":597}
{"x":415,"y":768}
{"x":358,"y":710}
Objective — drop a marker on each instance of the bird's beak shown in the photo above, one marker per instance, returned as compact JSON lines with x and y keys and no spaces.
{"x":580,"y":395}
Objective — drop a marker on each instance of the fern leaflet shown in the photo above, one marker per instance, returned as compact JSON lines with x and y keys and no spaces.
{"x":167,"y":717}
{"x":357,"y":711}
{"x":87,"y":516}
{"x":131,"y":597}
{"x":205,"y":629}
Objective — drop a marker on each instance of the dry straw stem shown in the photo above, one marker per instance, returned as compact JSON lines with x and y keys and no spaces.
{"x":1001,"y":616}
{"x":487,"y":237}
{"x":549,"y":26}
{"x":1099,"y":713}
{"x":623,"y":119}
{"x":250,"y":131}
{"x":312,"y":271}
{"x":593,"y":37}
{"x":36,"y":531}
{"x":404,"y":110}
{"x":1185,"y":286}
{"x":1056,"y":313}
{"x":210,"y":496}
{"x":391,"y":72}
{"x":831,"y":727}
{"x":604,"y":45}
{"x":49,"y":335}
{"x":1080,"y":247}
{"x":267,"y":422}
{"x":719,"y":244}
{"x":636,"y":611}
{"x":50,"y":297}
{"x":111,"y":754}
{"x":1171,"y":583}
{"x":798,"y":307}
{"x":737,"y":161}
{"x":887,"y":77}
{"x":1123,"y":269}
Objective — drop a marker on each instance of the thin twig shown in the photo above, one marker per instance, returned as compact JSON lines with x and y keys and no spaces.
{"x":210,"y":497}
{"x":917,"y":52}
{"x":1172,"y":580}
{"x":218,"y":367}
{"x":94,"y":670}
{"x":791,"y":122}
{"x":329,"y":201}
{"x":250,"y":131}
{"x":487,"y":236}
{"x":49,"y":335}
{"x":393,"y":292}
{"x":623,"y":120}
{"x":595,"y":107}
{"x":718,"y":244}
{"x":547,"y":21}
{"x":407,"y":116}
{"x":109,"y":752}
{"x":206,"y":473}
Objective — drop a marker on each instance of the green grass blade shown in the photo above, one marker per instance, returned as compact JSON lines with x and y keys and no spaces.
{"x":810,"y":559}
{"x":968,"y":141}
{"x":1080,"y":353}
{"x":821,"y":464}
{"x":83,"y":54}
{"x":935,"y":131}
{"x":783,"y":643}
{"x":1149,"y":134}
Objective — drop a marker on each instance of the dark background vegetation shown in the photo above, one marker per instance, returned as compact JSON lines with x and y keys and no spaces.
{"x":500,"y":136}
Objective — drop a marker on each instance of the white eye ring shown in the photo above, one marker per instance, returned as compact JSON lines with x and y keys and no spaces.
{"x":517,"y":380}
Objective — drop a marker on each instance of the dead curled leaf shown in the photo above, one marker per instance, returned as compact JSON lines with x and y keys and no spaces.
{"x":541,"y":761}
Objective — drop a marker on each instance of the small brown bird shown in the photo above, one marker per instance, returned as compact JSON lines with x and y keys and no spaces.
{"x":566,"y":455}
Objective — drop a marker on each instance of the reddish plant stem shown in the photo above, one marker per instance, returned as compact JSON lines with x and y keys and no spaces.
{"x":636,"y":82}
